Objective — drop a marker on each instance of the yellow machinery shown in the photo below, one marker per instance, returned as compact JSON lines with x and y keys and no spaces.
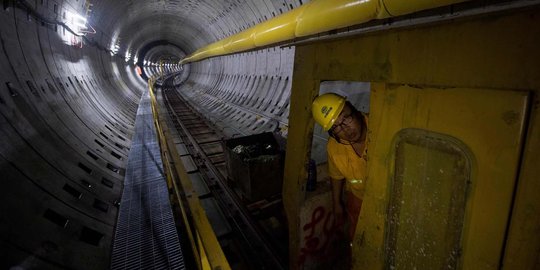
{"x":454,"y":142}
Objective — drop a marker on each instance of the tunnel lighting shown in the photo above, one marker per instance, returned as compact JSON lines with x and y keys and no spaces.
{"x":114,"y":51}
{"x":76,"y":22}
{"x":115,"y":46}
{"x":79,"y":17}
{"x":78,"y":26}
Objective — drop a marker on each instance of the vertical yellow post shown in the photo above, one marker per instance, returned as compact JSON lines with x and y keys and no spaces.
{"x":304,"y":90}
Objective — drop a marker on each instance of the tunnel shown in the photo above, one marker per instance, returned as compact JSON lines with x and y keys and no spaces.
{"x":180,"y":134}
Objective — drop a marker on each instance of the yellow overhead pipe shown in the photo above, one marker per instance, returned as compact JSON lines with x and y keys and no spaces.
{"x":311,"y":18}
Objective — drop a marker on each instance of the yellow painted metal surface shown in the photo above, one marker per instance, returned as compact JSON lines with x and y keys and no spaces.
{"x":495,"y":53}
{"x":240,"y":42}
{"x":392,"y":8}
{"x":205,"y":263}
{"x":489,"y":122}
{"x":216,"y":48}
{"x":523,"y":244}
{"x":322,"y":16}
{"x":278,"y":29}
{"x":311,"y":18}
{"x":304,"y":90}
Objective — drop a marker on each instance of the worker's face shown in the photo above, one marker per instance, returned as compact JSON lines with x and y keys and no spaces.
{"x":347,"y":126}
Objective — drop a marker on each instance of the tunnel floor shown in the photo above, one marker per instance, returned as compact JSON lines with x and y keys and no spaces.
{"x":146,"y":236}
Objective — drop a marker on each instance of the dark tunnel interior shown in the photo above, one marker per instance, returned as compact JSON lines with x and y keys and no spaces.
{"x":70,"y":92}
{"x":74,"y":94}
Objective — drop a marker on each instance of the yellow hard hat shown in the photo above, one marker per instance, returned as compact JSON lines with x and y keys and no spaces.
{"x":326,"y":109}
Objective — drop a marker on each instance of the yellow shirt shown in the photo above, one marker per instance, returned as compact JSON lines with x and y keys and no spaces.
{"x":343,"y":162}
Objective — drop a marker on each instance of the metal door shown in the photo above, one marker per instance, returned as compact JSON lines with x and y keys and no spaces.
{"x":443,"y":164}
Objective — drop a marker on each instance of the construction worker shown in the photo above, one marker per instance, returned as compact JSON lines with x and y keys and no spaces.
{"x":347,"y":154}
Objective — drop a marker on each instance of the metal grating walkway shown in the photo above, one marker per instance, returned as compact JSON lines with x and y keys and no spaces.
{"x":145,"y":236}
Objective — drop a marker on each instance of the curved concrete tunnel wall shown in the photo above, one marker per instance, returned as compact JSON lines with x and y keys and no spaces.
{"x":245,"y":93}
{"x":66,"y":122}
{"x":67,"y":113}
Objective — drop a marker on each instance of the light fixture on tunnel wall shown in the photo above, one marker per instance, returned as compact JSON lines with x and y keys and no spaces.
{"x":115,"y":48}
{"x":79,"y":27}
{"x":128,"y":56}
{"x":76,"y":20}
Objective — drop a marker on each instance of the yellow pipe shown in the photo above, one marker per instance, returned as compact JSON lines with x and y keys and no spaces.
{"x":216,"y":48}
{"x":240,"y":42}
{"x":278,"y":29}
{"x":312,"y":18}
{"x":321,"y":16}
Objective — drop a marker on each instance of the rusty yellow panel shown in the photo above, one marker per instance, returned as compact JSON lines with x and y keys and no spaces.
{"x":497,"y":53}
{"x":488,"y":124}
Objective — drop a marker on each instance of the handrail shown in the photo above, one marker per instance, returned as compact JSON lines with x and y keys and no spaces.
{"x":206,"y":248}
{"x":312,"y":18}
